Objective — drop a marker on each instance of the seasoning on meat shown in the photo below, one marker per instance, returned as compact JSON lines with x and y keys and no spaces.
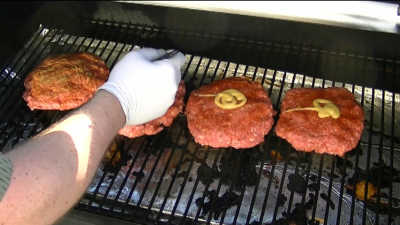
{"x":65,"y":81}
{"x":306,"y":131}
{"x":242,"y":127}
{"x":157,"y":125}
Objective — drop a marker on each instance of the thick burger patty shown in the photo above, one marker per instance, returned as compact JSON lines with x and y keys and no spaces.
{"x":243,"y":127}
{"x":157,"y":125}
{"x":64,"y":82}
{"x":305,"y":131}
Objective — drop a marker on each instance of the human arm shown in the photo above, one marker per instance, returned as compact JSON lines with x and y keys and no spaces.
{"x":52,"y":170}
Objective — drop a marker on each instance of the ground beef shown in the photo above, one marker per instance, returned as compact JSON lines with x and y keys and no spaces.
{"x":243,"y":127}
{"x":305,"y":131}
{"x":157,"y":125}
{"x":65,"y":81}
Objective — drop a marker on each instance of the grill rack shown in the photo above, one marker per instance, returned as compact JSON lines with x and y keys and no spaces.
{"x":18,"y":123}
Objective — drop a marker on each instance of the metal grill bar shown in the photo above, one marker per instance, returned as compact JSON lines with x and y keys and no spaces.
{"x":327,"y":206}
{"x":14,"y":107}
{"x":364,"y":216}
{"x":131,"y":166}
{"x":163,"y":175}
{"x":380,"y":152}
{"x":342,"y":182}
{"x":297,"y":161}
{"x":260,"y":169}
{"x":239,"y":165}
{"x":129,"y":172}
{"x":220,"y":182}
{"x":273,"y":168}
{"x":115,"y":153}
{"x":392,"y":155}
{"x":280,"y":190}
{"x":191,"y":163}
{"x":174,"y":149}
{"x":104,"y":175}
{"x":15,"y":82}
{"x":242,"y":192}
{"x":20,"y":54}
{"x":152,"y":172}
{"x":100,"y":55}
{"x":356,"y":168}
{"x":183,"y":220}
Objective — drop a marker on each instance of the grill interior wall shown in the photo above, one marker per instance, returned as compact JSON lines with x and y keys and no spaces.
{"x":170,"y":160}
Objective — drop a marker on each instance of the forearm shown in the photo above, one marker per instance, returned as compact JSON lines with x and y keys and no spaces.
{"x":52,"y":170}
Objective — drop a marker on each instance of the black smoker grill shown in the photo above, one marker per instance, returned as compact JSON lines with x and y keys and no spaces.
{"x":169,"y":179}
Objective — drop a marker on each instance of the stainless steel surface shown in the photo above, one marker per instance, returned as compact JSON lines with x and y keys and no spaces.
{"x":365,"y":15}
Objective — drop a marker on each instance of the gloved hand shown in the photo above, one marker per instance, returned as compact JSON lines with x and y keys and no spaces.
{"x":144,"y":88}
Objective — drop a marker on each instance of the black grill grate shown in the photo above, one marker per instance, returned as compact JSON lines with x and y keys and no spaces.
{"x":163,"y":179}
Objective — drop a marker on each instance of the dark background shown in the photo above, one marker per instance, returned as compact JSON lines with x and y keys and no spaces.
{"x":21,"y":19}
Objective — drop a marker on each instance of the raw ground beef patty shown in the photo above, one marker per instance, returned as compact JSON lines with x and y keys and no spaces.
{"x":157,"y":125}
{"x":243,"y":127}
{"x":65,"y":81}
{"x":305,"y":131}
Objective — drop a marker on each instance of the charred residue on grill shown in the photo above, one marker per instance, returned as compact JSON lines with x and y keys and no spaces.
{"x":379,"y":173}
{"x":384,"y":207}
{"x":214,"y":205}
{"x":311,"y":201}
{"x":267,"y":173}
{"x":19,"y":128}
{"x":159,"y":142}
{"x":380,"y":176}
{"x":281,"y":200}
{"x":113,"y":165}
{"x":181,"y":122}
{"x":357,"y":150}
{"x":139,"y":175}
{"x":328,"y":200}
{"x":206,"y":174}
{"x":236,"y":167}
{"x":296,"y":217}
{"x":279,"y":150}
{"x":313,"y":186}
{"x":297,"y":184}
{"x":342,"y":164}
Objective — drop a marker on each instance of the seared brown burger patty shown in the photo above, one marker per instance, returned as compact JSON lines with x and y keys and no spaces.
{"x":305,"y":131}
{"x":64,"y":82}
{"x":243,"y":127}
{"x":157,"y":125}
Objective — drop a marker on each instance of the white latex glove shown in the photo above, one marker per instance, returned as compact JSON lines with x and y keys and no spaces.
{"x":144,"y":88}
